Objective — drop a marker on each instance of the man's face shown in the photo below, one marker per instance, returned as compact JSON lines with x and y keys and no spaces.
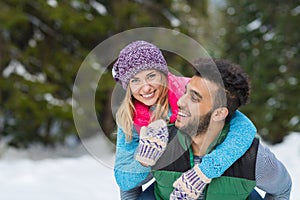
{"x":195,"y":106}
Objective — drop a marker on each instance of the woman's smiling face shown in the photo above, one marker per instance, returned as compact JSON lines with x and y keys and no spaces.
{"x":146,"y":86}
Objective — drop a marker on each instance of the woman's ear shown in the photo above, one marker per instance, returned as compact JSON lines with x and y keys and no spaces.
{"x":220,"y":114}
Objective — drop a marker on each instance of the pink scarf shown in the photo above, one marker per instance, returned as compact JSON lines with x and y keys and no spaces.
{"x":176,"y":88}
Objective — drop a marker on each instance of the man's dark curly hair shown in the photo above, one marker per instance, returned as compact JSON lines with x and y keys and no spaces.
{"x":228,"y":76}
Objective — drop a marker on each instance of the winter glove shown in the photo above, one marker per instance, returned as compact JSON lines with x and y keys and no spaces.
{"x":153,"y":142}
{"x":189,"y":185}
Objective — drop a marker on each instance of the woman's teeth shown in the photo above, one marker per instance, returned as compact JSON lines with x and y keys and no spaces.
{"x":148,"y":95}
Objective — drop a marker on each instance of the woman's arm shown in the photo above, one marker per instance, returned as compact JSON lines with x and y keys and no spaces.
{"x":240,"y":136}
{"x":129,"y":173}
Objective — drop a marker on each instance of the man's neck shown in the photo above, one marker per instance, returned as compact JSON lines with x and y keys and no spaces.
{"x":202,"y":141}
{"x":197,"y":145}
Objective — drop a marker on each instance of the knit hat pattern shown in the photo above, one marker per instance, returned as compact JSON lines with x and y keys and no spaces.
{"x":136,"y":57}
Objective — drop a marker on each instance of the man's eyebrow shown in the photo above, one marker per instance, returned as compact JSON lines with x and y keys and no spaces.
{"x":193,"y":92}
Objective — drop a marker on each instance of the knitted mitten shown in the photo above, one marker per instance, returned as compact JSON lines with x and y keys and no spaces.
{"x":189,"y":185}
{"x":153,"y":142}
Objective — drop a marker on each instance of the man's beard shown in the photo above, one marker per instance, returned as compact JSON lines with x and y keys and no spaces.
{"x":197,"y":126}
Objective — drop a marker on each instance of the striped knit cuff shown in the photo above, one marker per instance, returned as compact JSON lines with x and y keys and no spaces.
{"x":200,"y":174}
{"x":149,"y":152}
{"x":191,"y":182}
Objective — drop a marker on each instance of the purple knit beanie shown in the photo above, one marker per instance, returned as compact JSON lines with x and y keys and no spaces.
{"x":136,"y":57}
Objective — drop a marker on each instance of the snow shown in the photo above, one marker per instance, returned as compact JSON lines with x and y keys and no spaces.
{"x":255,"y":24}
{"x":74,"y":173}
{"x":58,"y":174}
{"x":100,"y":8}
{"x":18,"y":68}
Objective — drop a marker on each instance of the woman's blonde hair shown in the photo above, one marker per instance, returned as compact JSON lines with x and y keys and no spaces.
{"x":125,"y":113}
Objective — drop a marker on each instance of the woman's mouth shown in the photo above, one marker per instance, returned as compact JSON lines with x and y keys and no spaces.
{"x":148,"y":96}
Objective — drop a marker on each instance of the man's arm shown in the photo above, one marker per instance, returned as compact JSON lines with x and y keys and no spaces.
{"x":272,"y":176}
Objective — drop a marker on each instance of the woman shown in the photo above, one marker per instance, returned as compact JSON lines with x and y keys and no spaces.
{"x":152,"y":93}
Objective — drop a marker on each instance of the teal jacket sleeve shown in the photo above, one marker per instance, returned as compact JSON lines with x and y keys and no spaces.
{"x":239,"y":139}
{"x":129,"y":173}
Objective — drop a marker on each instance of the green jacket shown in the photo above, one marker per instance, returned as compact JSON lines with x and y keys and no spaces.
{"x":236,"y":183}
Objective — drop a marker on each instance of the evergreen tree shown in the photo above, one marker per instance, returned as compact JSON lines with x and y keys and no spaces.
{"x":263,"y":38}
{"x":43,"y":44}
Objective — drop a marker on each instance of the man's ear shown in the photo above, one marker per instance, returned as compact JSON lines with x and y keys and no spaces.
{"x":220,"y":114}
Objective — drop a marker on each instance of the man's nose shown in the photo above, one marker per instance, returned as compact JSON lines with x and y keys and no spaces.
{"x":181,"y":101}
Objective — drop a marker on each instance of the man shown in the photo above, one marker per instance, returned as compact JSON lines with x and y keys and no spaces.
{"x":202,"y":120}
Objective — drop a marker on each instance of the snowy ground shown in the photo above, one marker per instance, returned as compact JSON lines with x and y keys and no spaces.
{"x":77,"y":174}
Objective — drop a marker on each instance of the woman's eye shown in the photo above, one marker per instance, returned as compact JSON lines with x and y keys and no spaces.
{"x":151,"y":76}
{"x":134,"y":81}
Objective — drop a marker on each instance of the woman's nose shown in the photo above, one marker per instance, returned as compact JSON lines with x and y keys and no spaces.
{"x":146,"y":87}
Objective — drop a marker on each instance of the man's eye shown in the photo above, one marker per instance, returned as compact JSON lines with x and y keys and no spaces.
{"x":134,"y":81}
{"x":195,"y":99}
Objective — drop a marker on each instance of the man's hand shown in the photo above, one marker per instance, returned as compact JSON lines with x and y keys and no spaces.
{"x":153,"y":142}
{"x":189,"y":185}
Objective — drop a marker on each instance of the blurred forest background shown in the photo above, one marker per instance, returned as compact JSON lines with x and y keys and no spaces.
{"x":44,"y":42}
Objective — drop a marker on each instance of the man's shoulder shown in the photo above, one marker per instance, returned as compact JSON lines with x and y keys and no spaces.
{"x":173,"y":130}
{"x":245,"y":166}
